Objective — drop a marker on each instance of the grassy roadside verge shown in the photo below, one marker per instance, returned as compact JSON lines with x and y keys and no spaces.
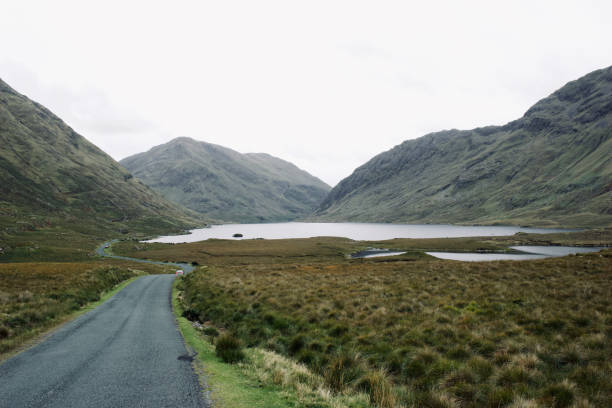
{"x":36,"y":335}
{"x":265,"y":379}
{"x":230,"y":387}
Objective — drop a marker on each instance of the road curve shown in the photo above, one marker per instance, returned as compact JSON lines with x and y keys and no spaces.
{"x":126,"y":353}
{"x":102,"y":251}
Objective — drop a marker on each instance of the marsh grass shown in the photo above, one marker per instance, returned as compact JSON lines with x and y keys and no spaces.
{"x":444,"y":333}
{"x":263,"y":379}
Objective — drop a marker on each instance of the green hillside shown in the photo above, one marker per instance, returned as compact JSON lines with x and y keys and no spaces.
{"x":551,"y":167}
{"x":51,"y":176}
{"x":226,"y":185}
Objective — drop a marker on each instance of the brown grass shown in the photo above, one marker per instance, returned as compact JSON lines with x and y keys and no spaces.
{"x":447,"y":333}
{"x":253,"y":251}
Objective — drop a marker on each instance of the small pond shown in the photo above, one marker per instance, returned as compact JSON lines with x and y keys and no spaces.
{"x":374,"y":253}
{"x":530,"y":252}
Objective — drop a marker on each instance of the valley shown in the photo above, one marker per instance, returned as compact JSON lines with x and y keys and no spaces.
{"x":298,"y":322}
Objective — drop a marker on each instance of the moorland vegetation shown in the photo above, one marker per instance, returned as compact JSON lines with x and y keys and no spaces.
{"x":414,"y":330}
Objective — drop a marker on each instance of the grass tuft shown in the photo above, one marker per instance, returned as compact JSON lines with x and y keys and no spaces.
{"x":229,"y":348}
{"x":377,"y":385}
{"x":560,"y":395}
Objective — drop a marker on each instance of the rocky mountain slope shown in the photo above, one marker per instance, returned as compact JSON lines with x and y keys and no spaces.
{"x":226,"y":185}
{"x":50,"y":174}
{"x":553,"y":166}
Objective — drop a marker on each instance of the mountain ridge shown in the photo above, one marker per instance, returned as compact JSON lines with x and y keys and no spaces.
{"x":226,"y":185}
{"x":482,"y":176}
{"x":47,"y":169}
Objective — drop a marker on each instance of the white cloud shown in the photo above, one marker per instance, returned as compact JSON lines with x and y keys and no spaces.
{"x":326,"y":85}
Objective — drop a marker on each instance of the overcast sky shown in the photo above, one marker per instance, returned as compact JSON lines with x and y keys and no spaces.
{"x":324,"y":84}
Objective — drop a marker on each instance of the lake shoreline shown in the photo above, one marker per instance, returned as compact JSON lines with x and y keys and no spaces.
{"x":354,"y":231}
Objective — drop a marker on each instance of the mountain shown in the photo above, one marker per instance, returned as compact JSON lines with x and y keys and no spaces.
{"x":48,"y":170}
{"x":226,"y":185}
{"x":551,"y":167}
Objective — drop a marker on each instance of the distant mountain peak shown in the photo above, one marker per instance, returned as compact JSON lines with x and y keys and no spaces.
{"x":224,"y":184}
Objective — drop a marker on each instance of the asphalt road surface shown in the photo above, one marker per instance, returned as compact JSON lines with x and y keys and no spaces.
{"x":126,"y":353}
{"x":102,"y":251}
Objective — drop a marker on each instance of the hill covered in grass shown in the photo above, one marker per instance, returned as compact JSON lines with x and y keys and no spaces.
{"x":50,"y":176}
{"x":226,"y":185}
{"x":551,"y":167}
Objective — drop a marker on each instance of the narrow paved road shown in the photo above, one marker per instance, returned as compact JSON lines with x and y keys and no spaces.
{"x":102,"y":251}
{"x":126,"y":353}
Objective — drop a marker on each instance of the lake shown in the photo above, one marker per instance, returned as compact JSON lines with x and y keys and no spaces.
{"x":352,"y":230}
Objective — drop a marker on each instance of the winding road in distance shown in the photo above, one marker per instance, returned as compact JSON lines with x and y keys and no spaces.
{"x":101,"y":250}
{"x":127,"y":352}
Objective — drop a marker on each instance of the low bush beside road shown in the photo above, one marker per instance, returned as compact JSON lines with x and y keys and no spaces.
{"x":229,"y":349}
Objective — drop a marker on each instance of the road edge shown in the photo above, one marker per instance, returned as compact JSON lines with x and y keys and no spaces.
{"x":45,"y":334}
{"x":226,"y":384}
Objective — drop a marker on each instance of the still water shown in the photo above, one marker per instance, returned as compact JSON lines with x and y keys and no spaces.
{"x":355,"y":231}
{"x":474,"y":257}
{"x":530,"y":252}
